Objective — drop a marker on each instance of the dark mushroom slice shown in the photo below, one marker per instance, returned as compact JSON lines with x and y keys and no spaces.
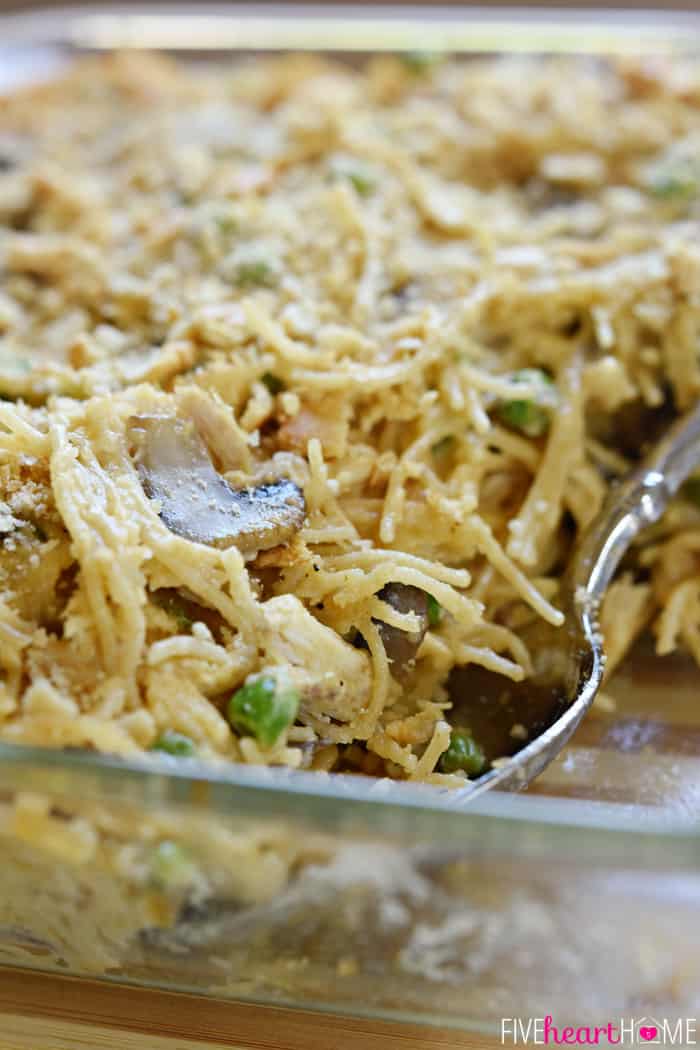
{"x":15,"y":151}
{"x":197,"y":503}
{"x":185,"y":609}
{"x":401,"y":646}
{"x":634,"y":426}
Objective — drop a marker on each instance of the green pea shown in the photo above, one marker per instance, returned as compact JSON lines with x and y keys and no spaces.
{"x":435,"y":611}
{"x":358,"y":175}
{"x":463,"y":754}
{"x":530,"y":417}
{"x":419,"y":61}
{"x":170,"y":866}
{"x":183,"y":620}
{"x":226,"y":221}
{"x":174,"y":743}
{"x":673,"y":187}
{"x":362,"y":182}
{"x":443,"y":446}
{"x":170,"y":603}
{"x":263,"y":708}
{"x":273,"y":383}
{"x":675,"y":175}
{"x":254,"y":273}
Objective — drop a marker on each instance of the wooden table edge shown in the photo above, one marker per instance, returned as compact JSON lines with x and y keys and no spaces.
{"x":41,"y":1007}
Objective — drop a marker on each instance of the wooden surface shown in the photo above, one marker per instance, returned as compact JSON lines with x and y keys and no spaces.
{"x":38,"y":1012}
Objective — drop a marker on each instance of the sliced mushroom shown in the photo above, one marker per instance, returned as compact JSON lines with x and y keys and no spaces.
{"x":197,"y":503}
{"x":401,"y":646}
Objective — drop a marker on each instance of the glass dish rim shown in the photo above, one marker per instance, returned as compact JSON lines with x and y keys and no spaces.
{"x":352,"y":27}
{"x":159,"y":779}
{"x":529,"y":827}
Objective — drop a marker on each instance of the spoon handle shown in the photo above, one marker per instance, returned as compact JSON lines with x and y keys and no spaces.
{"x":635,"y":502}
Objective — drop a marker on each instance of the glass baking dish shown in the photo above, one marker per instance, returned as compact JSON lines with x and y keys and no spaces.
{"x":579,"y":899}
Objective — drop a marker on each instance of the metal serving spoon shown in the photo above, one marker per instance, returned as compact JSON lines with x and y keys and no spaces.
{"x":635,"y":502}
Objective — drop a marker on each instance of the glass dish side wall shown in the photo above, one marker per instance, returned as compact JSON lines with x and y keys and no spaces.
{"x":447,"y":918}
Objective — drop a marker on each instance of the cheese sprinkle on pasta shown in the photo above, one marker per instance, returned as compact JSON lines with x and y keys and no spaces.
{"x":311,"y":378}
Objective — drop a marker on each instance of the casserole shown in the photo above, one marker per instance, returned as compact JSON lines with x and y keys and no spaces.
{"x":336,"y":893}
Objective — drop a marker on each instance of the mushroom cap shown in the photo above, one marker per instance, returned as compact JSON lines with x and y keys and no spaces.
{"x":197,"y":503}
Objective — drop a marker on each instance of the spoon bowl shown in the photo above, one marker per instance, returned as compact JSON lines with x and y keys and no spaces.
{"x":637,"y":501}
